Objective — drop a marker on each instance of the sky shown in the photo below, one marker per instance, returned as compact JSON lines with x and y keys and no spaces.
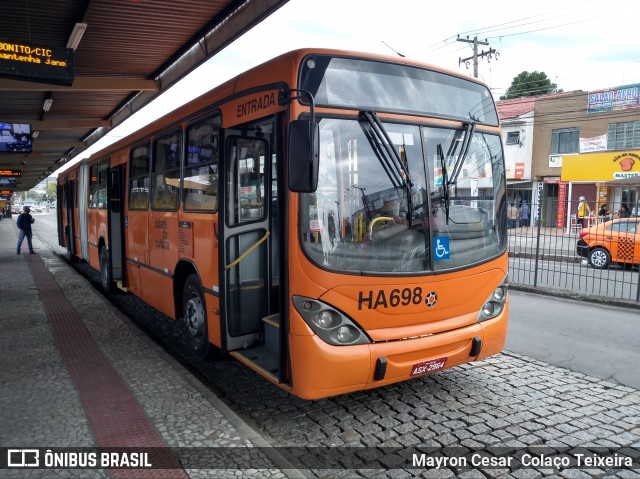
{"x":580,"y":45}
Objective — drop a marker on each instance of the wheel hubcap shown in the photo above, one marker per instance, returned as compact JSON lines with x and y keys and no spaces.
{"x":598,"y":258}
{"x":194,"y":317}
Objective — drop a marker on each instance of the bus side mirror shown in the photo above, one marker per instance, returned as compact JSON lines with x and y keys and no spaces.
{"x":304,"y":146}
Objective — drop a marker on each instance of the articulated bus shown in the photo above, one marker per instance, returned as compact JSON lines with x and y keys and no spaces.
{"x":335,"y":221}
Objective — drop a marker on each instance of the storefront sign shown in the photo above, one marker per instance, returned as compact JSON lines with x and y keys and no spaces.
{"x":562,"y":196}
{"x":519,"y":171}
{"x":555,"y":161}
{"x":620,"y":98}
{"x":604,"y":166}
{"x":538,"y":202}
{"x":597,"y":143}
{"x":37,"y":62}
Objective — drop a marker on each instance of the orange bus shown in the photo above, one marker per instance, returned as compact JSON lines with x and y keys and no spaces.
{"x":334,"y":220}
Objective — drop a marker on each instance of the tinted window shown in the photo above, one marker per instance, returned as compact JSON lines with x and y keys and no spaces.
{"x":200,"y":184}
{"x":165,"y":176}
{"x":139,"y":178}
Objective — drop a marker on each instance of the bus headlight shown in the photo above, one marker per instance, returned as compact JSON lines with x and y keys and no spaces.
{"x":495,"y":303}
{"x":329,"y":324}
{"x":326,"y":319}
{"x":346,"y":334}
{"x":500,"y":293}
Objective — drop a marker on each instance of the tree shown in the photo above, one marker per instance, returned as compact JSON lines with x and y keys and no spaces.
{"x":52,"y":186}
{"x":530,"y":84}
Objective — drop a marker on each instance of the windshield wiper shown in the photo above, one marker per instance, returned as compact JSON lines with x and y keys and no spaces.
{"x":445,"y":181}
{"x":391,"y":160}
{"x":464,"y":149}
{"x":386,"y":153}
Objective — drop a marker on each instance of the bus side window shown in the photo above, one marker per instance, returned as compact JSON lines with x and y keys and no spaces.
{"x":139,"y":178}
{"x":93,"y":186}
{"x":103,"y":172}
{"x":166,"y":172}
{"x":200,"y":184}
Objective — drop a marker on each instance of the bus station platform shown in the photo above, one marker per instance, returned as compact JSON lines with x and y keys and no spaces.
{"x":78,"y":378}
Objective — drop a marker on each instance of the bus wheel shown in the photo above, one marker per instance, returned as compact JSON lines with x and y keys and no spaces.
{"x":105,"y":273}
{"x":195,"y":317}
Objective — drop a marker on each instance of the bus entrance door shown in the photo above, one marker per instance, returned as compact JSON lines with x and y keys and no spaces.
{"x":116,"y":232}
{"x":69,"y":226}
{"x":249,"y":300}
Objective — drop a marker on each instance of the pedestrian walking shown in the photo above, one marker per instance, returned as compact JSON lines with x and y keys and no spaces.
{"x":24,"y":222}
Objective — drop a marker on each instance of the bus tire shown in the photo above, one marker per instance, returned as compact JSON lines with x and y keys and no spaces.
{"x":105,"y":273}
{"x":194,"y":312}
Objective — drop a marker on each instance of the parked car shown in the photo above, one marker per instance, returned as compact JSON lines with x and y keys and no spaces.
{"x":615,"y":241}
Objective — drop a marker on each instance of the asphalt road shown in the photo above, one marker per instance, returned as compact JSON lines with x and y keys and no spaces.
{"x":598,"y":340}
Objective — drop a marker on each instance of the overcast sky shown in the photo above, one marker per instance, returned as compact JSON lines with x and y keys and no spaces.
{"x":580,"y":45}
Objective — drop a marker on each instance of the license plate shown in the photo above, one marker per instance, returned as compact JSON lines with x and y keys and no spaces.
{"x":427,"y":367}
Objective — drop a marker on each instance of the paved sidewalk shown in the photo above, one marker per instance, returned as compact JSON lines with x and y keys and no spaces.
{"x":99,"y":382}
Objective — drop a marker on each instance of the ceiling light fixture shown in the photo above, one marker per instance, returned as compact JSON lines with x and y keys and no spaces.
{"x":47,"y":104}
{"x":76,"y":35}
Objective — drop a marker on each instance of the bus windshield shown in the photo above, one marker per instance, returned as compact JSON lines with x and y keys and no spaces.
{"x":391,"y":87}
{"x":366,"y":217}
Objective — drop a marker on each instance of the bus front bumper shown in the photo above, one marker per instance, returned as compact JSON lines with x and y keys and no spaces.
{"x":321,"y":370}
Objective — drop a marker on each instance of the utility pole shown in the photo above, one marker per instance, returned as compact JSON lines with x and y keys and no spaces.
{"x":476,"y":55}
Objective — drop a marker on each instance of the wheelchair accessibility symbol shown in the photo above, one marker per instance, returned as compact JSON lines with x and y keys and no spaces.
{"x":441,"y":248}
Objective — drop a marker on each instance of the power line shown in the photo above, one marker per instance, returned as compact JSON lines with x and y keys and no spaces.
{"x":517,"y":22}
{"x":542,"y":29}
{"x":522,"y":23}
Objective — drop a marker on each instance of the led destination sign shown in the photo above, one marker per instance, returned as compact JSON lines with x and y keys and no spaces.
{"x":50,"y":64}
{"x":10,"y":173}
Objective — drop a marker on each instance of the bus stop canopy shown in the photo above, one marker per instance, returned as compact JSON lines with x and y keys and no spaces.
{"x":125,"y":54}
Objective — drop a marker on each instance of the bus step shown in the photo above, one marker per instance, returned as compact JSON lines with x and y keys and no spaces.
{"x":121,"y":287}
{"x":260,"y":359}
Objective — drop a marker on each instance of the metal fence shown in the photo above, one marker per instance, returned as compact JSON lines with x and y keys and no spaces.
{"x":543,"y":256}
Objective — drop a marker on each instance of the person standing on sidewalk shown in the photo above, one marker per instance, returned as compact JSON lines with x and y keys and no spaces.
{"x":24,"y":222}
{"x":583,"y":211}
{"x":524,"y":214}
{"x":512,"y":216}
